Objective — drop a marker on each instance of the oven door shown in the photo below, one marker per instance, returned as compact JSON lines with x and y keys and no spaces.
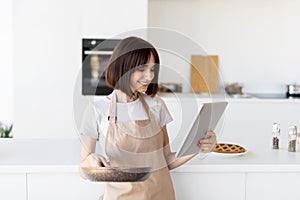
{"x":95,"y":57}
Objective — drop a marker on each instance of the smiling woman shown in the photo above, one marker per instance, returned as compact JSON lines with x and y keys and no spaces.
{"x":133,"y":55}
{"x":142,"y":76}
{"x":130,"y":124}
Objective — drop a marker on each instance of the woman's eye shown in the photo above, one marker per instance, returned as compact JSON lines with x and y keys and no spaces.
{"x":141,"y":68}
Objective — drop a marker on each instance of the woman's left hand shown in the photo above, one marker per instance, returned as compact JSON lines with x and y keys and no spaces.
{"x":208,"y":143}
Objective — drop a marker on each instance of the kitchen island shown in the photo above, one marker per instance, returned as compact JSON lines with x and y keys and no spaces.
{"x":263,"y":173}
{"x":48,"y":169}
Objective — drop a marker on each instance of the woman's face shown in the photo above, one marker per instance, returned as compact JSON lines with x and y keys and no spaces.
{"x":142,"y":76}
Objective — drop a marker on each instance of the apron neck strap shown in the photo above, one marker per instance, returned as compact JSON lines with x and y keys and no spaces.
{"x":146,"y":107}
{"x":112,"y":117}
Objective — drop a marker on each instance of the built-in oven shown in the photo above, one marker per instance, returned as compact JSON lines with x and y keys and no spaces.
{"x":95,"y":56}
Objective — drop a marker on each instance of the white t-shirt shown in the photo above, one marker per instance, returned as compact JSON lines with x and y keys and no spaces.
{"x":95,"y":119}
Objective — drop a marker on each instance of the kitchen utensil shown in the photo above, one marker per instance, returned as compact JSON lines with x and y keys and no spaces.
{"x":205,"y":74}
{"x":293,"y":90}
{"x":226,"y":155}
{"x":117,"y":174}
{"x":269,"y":95}
{"x":170,"y":87}
{"x":234,"y":88}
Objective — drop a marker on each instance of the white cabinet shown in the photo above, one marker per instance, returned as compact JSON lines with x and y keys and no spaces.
{"x":192,"y":186}
{"x":275,"y":186}
{"x":209,"y":186}
{"x":62,"y":186}
{"x":13,"y":186}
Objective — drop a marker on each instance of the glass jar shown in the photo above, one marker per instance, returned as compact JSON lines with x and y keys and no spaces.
{"x":292,"y":138}
{"x":275,"y":134}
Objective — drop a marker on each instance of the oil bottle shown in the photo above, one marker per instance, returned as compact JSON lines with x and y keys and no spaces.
{"x":276,"y":134}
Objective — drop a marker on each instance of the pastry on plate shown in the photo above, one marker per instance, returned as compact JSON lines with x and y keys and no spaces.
{"x":229,"y":148}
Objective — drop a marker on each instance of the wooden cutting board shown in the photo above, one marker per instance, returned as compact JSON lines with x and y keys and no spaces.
{"x":205,"y":74}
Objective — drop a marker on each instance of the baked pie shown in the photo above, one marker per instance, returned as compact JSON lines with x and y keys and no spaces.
{"x":228,"y":148}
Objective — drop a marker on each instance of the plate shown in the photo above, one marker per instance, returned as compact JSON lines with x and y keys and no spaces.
{"x":228,"y":150}
{"x":227,"y":154}
{"x":245,"y":96}
{"x":117,"y":174}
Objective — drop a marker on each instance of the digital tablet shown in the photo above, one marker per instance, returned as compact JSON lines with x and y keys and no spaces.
{"x":206,"y":120}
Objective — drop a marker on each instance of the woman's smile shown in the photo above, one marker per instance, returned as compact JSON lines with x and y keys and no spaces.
{"x":144,"y":83}
{"x":142,"y":76}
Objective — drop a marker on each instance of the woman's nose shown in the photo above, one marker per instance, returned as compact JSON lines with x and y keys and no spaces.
{"x":148,"y":75}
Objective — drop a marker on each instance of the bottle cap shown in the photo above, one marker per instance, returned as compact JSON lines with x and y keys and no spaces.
{"x":276,"y":128}
{"x":293,"y":130}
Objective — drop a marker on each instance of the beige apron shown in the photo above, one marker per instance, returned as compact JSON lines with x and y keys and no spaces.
{"x":137,"y":144}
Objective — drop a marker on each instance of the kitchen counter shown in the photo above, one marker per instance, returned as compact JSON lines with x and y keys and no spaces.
{"x":267,"y":160}
{"x":48,"y":169}
{"x":39,"y":155}
{"x":53,"y":155}
{"x":222,"y":97}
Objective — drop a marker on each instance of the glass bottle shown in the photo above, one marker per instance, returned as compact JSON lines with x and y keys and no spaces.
{"x":292,"y":138}
{"x":276,"y":134}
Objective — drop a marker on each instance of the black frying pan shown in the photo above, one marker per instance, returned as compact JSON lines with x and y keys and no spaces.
{"x":117,"y":174}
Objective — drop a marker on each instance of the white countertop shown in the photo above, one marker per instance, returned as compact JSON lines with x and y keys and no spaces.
{"x":268,"y":160}
{"x":39,"y":155}
{"x":62,"y":155}
{"x":220,"y":97}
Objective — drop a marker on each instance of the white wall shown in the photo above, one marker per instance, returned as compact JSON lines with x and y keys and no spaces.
{"x":46,"y":43}
{"x":106,"y":18}
{"x":47,"y":57}
{"x":257,"y":42}
{"x":6,"y":62}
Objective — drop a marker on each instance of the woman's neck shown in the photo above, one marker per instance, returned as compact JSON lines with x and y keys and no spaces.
{"x":124,"y":98}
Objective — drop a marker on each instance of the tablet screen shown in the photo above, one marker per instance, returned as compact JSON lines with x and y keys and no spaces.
{"x":206,"y":120}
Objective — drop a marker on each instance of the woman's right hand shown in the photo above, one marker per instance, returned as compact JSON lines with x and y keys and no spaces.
{"x":93,"y":161}
{"x":102,"y":162}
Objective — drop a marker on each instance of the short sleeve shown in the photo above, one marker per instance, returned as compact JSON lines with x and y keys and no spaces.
{"x":89,"y":122}
{"x":164,"y":115}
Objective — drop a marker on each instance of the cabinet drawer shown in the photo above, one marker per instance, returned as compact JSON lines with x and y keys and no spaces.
{"x":275,"y":186}
{"x":209,"y":186}
{"x":62,"y":186}
{"x":13,"y":186}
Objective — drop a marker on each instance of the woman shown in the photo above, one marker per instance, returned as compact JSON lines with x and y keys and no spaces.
{"x":133,"y":120}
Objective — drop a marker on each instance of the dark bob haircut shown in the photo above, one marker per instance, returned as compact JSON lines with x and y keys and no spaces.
{"x":130,"y":53}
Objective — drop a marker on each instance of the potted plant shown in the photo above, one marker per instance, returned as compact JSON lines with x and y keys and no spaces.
{"x":5,"y":130}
